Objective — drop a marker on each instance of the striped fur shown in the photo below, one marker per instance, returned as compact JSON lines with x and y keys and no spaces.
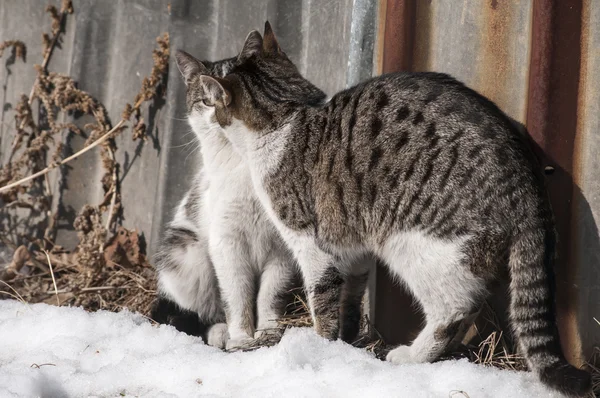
{"x":415,"y":168}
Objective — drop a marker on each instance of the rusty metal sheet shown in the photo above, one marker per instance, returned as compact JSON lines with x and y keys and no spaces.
{"x":537,"y":59}
{"x":553,"y":117}
{"x":482,"y":43}
{"x":586,"y":167}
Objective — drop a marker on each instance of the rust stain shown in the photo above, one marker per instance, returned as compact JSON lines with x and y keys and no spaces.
{"x":493,"y":70}
{"x":552,"y":115}
{"x":578,"y":199}
{"x":380,"y":36}
{"x":398,"y":35}
{"x":582,"y":93}
{"x":422,"y":37}
{"x":539,"y":71}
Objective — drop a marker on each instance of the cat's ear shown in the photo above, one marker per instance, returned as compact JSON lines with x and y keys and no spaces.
{"x":217,"y":91}
{"x":189,"y":66}
{"x":252,"y":46}
{"x":270,"y":44}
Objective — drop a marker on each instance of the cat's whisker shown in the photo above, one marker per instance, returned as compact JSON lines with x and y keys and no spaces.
{"x":193,"y":150}
{"x":184,"y":145}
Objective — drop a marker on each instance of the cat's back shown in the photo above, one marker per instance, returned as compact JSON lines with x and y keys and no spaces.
{"x":442,"y":113}
{"x":424,"y":148}
{"x":429,"y":113}
{"x":424,"y":98}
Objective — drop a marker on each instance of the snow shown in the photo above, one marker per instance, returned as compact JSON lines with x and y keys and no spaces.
{"x":53,"y":351}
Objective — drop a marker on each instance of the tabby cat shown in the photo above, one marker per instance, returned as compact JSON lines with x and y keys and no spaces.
{"x":414,"y":168}
{"x":221,"y":233}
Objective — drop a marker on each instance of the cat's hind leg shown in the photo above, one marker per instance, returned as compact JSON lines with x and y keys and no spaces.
{"x":188,"y":291}
{"x":433,"y":341}
{"x":436,"y":272}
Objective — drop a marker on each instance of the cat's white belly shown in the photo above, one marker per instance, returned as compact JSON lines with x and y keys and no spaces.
{"x":423,"y":263}
{"x":420,"y":251}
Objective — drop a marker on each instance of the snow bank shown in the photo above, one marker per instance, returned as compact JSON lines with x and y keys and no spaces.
{"x":66,"y":352}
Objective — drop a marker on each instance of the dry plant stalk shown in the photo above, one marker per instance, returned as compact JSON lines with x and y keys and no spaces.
{"x":36,"y":150}
{"x":455,"y":393}
{"x":493,"y":351}
{"x":17,"y":46}
{"x":52,"y":275}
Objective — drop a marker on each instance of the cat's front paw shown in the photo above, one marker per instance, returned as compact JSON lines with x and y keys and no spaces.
{"x":400,"y":355}
{"x":350,"y":328}
{"x":217,"y":335}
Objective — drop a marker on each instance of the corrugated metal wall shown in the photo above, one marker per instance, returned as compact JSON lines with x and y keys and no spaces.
{"x":586,"y":168}
{"x":539,"y":61}
{"x":107,"y":49}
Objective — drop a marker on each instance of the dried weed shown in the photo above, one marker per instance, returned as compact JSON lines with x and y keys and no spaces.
{"x":107,"y":269}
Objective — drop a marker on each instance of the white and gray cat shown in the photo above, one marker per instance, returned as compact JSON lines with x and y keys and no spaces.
{"x":221,"y":259}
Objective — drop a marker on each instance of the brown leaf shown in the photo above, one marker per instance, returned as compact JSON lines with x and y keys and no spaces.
{"x":20,"y":257}
{"x":124,"y":249}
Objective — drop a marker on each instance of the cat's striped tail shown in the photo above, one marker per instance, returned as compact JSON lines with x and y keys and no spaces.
{"x":532,"y":311}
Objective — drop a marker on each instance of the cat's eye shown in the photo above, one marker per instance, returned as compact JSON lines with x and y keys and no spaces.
{"x":206,"y":102}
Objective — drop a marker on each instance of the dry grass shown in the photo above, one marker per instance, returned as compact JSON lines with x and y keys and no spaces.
{"x":594,"y":367}
{"x":494,"y":351}
{"x":111,"y":288}
{"x":492,"y":348}
{"x":107,"y":269}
